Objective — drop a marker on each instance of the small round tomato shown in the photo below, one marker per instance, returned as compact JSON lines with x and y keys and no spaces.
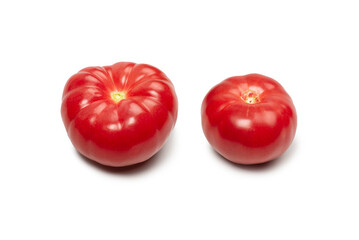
{"x":119,"y":115}
{"x":249,"y":119}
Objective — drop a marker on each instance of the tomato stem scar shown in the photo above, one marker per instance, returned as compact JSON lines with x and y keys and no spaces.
{"x":118,"y":96}
{"x":250,"y":97}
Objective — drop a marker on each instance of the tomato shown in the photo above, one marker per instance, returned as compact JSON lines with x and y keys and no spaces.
{"x":119,"y":115}
{"x":249,"y":119}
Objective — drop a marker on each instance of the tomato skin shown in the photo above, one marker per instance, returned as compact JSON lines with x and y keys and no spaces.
{"x":247,"y":133}
{"x":116,"y":132}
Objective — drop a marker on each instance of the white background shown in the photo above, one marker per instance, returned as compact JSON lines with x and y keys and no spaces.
{"x":186,"y":191}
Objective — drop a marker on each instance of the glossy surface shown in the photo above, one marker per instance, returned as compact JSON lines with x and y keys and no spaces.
{"x":119,"y":115}
{"x":249,"y":119}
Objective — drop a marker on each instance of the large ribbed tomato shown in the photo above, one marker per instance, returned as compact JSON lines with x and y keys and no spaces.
{"x":119,"y":115}
{"x":249,"y":119}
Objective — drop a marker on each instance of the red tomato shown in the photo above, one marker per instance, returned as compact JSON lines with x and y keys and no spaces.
{"x":249,"y":119}
{"x":119,"y":115}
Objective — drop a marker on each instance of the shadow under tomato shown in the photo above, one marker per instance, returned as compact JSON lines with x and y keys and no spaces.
{"x":136,"y":168}
{"x":262,"y":166}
